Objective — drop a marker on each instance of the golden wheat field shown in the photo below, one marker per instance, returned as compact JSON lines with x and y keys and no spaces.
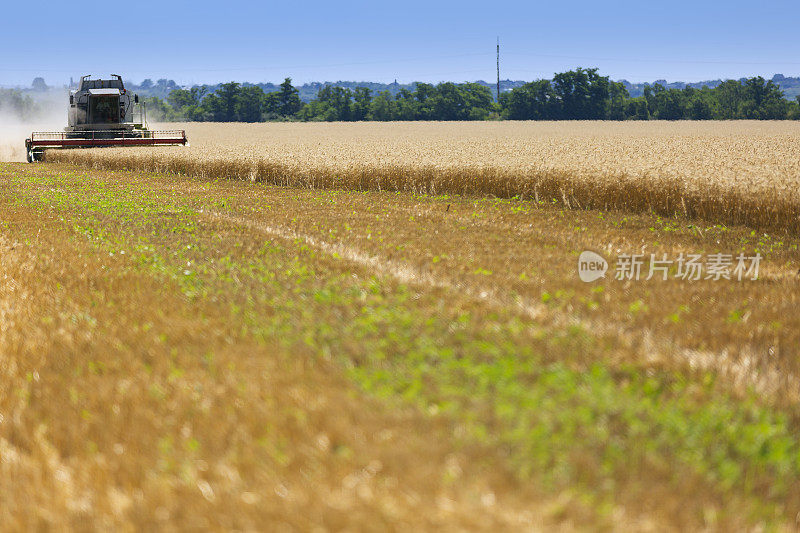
{"x":735,"y":172}
{"x":380,"y":327}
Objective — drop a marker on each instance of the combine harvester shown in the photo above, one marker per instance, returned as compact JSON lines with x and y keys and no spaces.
{"x":102,"y":113}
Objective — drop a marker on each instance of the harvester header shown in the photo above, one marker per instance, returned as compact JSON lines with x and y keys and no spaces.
{"x":102,"y":113}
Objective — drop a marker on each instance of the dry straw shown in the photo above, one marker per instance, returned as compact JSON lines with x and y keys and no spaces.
{"x":728,"y":172}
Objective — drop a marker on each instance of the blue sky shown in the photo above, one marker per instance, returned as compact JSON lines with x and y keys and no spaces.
{"x":202,"y":41}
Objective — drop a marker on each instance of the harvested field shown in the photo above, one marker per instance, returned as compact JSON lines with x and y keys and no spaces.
{"x":186,"y":345}
{"x":730,"y":172}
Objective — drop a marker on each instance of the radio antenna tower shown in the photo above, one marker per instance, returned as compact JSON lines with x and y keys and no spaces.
{"x":498,"y":68}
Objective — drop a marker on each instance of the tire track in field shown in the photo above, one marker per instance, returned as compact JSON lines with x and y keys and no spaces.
{"x":746,"y":370}
{"x":43,"y":481}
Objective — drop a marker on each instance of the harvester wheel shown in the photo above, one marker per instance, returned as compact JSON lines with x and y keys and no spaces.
{"x":35,"y":156}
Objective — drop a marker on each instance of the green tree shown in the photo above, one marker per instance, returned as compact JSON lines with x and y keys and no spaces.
{"x":637,"y":109}
{"x":337,"y":100}
{"x":763,"y":100}
{"x":448,"y":103}
{"x":272,"y":105}
{"x":186,"y":102}
{"x":424,"y":93}
{"x":466,"y":101}
{"x":317,"y":110}
{"x":670,"y":105}
{"x":362,"y":97}
{"x":382,"y":107}
{"x":180,"y":98}
{"x":222,"y":105}
{"x":582,"y":94}
{"x":533,"y":101}
{"x":478,"y":99}
{"x":793,"y":112}
{"x":702,"y":105}
{"x":618,"y":95}
{"x":159,"y":110}
{"x":288,"y":103}
{"x":406,"y":106}
{"x":249,"y":104}
{"x":211,"y":108}
{"x":728,"y":96}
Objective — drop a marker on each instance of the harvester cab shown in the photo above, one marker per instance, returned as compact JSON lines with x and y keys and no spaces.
{"x":102,"y":113}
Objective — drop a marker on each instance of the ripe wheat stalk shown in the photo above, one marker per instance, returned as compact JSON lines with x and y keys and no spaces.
{"x":728,"y":172}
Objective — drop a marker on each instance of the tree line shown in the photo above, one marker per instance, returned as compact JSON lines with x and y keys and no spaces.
{"x":580,"y":94}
